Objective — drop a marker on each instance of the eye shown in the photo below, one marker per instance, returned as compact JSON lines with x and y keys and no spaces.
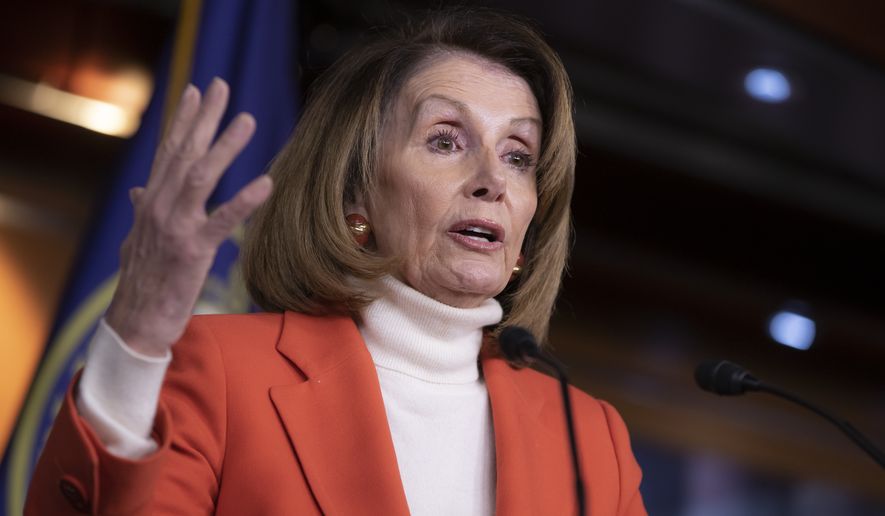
{"x":444,"y":140}
{"x":519,"y":159}
{"x":445,"y":143}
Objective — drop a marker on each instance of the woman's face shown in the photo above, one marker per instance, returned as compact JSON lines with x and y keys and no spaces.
{"x":456,"y":188}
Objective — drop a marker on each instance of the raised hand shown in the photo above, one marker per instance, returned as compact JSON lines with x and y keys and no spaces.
{"x":168,"y":252}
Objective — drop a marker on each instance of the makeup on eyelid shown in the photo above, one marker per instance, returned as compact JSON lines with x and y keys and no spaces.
{"x":457,"y":175}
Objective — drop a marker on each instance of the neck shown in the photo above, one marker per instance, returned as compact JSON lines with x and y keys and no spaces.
{"x":416,"y":335}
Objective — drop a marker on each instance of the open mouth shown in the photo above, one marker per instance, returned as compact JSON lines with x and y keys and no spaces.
{"x":479,"y":231}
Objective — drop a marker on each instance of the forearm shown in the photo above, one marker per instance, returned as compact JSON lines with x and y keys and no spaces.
{"x":117,"y":468}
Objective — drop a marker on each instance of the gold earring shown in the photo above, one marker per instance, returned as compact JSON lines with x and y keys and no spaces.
{"x":359,"y":227}
{"x":517,"y":268}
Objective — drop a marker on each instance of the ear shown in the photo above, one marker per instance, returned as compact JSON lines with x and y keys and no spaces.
{"x":358,"y":206}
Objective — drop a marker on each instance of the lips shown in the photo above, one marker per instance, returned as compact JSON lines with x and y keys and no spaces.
{"x":478,"y":234}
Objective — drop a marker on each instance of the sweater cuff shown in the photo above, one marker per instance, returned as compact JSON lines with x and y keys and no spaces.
{"x":118,"y":393}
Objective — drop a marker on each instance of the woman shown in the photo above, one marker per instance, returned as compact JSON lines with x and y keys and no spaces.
{"x":421,"y":205}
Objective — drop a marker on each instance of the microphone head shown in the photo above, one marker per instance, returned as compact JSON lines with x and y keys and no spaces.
{"x":724,"y":378}
{"x":518,"y":344}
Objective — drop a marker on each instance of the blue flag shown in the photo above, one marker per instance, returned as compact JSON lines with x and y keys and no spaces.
{"x":250,"y":44}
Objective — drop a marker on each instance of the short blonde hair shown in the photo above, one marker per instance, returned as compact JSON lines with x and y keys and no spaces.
{"x":299,"y":254}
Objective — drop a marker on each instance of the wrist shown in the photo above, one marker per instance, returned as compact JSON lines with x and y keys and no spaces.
{"x":128,"y":330}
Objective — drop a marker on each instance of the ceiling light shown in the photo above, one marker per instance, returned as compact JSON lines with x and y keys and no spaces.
{"x":96,"y":115}
{"x":791,"y":329}
{"x":768,"y":85}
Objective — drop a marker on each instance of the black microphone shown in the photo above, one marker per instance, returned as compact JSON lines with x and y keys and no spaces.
{"x":727,"y":379}
{"x":724,"y":378}
{"x":519,"y":345}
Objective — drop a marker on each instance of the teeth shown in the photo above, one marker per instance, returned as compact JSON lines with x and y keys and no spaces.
{"x":479,"y":230}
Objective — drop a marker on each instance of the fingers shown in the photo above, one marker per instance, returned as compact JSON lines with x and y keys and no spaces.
{"x":183,"y":152}
{"x":205,"y":172}
{"x":230,"y":214}
{"x":206,"y":122}
{"x":178,"y":130}
{"x":187,"y":167}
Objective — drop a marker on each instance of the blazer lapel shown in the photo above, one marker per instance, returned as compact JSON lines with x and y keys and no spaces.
{"x":336,"y":420}
{"x":532,"y":457}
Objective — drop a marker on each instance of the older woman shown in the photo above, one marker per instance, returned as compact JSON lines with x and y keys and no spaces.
{"x":421,"y":205}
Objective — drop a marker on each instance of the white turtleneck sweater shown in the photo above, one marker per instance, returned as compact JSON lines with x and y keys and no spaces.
{"x":437,"y":405}
{"x":426,"y":356}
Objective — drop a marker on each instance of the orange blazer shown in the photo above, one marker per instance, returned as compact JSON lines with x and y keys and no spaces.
{"x":278,"y":414}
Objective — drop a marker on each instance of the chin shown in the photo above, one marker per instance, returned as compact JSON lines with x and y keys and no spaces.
{"x":463,"y":283}
{"x":480,"y":281}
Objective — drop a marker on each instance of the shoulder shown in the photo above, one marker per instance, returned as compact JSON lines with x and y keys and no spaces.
{"x":245,"y":343}
{"x":606,"y":454}
{"x":234,"y":326}
{"x":534,"y":383}
{"x":214,"y":341}
{"x":595,"y":418}
{"x":225,"y":329}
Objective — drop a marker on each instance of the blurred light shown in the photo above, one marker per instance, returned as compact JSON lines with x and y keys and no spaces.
{"x":104,"y":118}
{"x":18,"y":214}
{"x":24,"y":317}
{"x":791,"y":329}
{"x":96,"y":115}
{"x":767,"y":85}
{"x":127,"y":86}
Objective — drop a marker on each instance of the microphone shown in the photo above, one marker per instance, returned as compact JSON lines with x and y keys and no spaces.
{"x":519,"y":345}
{"x":724,"y":378}
{"x":728,"y":379}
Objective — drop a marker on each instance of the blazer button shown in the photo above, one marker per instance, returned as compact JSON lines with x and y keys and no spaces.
{"x":73,"y":492}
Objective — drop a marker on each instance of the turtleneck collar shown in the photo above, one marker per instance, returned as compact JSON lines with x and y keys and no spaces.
{"x":411,"y":333}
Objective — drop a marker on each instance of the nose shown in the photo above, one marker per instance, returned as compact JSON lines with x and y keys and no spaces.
{"x":489,"y":181}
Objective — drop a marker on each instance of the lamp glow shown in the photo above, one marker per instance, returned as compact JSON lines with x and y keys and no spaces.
{"x":95,"y":115}
{"x":768,"y":85}
{"x":793,"y":330}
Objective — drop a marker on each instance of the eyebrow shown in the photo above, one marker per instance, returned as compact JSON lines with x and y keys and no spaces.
{"x":463,"y":109}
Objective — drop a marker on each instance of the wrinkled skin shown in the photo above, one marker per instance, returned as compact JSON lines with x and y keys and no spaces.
{"x":168,"y":252}
{"x":460,"y":146}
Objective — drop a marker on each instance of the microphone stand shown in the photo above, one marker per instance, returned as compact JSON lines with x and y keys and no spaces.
{"x":558,"y":366}
{"x":518,"y":344}
{"x":846,"y":427}
{"x":728,"y":379}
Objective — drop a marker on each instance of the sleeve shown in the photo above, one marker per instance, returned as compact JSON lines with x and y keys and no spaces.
{"x":629,"y":474}
{"x":118,"y":394}
{"x":77,"y":473}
